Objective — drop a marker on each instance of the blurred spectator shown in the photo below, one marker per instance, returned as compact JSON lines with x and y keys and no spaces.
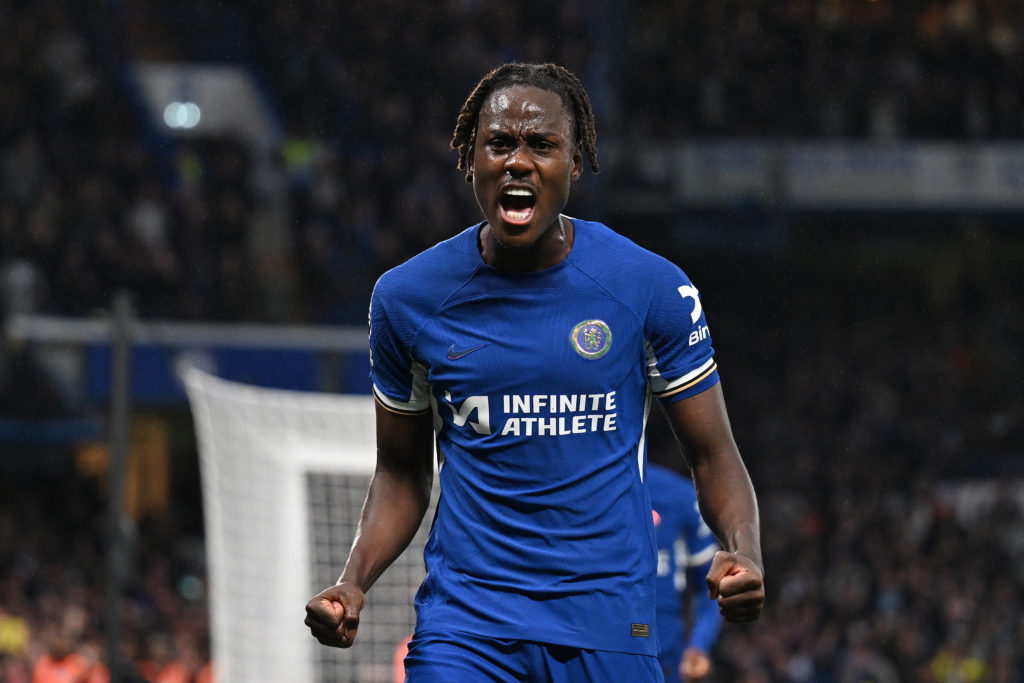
{"x":162,"y":664}
{"x":954,"y":662}
{"x":863,"y":660}
{"x":72,"y":654}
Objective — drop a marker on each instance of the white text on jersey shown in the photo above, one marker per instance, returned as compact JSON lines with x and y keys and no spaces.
{"x":540,"y":414}
{"x":698,"y":334}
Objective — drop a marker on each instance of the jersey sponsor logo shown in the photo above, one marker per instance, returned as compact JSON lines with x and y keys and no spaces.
{"x":558,"y":414}
{"x":699,"y":334}
{"x":455,"y":355}
{"x":702,"y":332}
{"x":640,"y":630}
{"x":478,"y":404}
{"x":690,"y":292}
{"x":591,"y":339}
{"x":538,"y":414}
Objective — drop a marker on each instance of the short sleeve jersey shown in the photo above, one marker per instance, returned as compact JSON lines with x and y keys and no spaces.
{"x":540,"y":385}
{"x":684,"y":541}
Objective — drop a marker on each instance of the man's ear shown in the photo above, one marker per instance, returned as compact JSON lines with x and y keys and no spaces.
{"x":577,"y":163}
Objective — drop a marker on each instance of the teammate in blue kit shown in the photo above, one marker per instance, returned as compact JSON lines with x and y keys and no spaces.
{"x":527,"y":349}
{"x":688,"y":621}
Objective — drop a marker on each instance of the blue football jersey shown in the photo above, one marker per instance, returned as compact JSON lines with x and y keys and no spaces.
{"x":684,"y":541}
{"x":540,"y":386}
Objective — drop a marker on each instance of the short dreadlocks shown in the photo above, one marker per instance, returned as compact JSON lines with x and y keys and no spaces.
{"x":551,"y":77}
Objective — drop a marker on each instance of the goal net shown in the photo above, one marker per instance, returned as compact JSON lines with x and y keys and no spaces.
{"x":284,"y":475}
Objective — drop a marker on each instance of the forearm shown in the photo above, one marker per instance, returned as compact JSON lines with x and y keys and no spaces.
{"x":727,"y":501}
{"x":724,"y":490}
{"x":391,"y":515}
{"x":397,"y":498}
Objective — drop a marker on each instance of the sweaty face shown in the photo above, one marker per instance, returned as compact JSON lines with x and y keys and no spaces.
{"x":524,"y":160}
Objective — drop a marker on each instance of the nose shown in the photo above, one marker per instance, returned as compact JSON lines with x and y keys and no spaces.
{"x":518,"y":161}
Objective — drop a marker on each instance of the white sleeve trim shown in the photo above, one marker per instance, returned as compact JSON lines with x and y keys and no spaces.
{"x":419,"y":396}
{"x":659,"y":385}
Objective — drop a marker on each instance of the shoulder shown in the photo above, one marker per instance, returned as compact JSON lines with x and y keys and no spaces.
{"x":425,"y":280}
{"x":615,"y":260}
{"x":604,"y":243}
{"x":444,"y":260}
{"x":407,"y":296}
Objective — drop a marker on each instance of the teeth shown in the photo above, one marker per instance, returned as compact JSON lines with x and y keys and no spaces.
{"x":518,"y":193}
{"x":519,"y":215}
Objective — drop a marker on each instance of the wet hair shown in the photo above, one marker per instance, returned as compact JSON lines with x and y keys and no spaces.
{"x":551,"y":77}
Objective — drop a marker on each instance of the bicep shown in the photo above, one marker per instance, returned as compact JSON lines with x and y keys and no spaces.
{"x":405,"y":442}
{"x":701,"y":425}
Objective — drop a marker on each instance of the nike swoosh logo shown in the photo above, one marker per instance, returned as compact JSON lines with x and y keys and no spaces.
{"x":455,"y":355}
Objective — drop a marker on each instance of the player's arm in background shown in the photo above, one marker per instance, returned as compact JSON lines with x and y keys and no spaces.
{"x":727,"y":501}
{"x":396,"y":502}
{"x":703,"y":622}
{"x":704,"y":626}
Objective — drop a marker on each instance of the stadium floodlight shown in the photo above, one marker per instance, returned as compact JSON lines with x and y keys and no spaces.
{"x":182,"y":115}
{"x":284,"y":476}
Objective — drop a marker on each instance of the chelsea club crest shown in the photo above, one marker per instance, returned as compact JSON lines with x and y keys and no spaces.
{"x":591,"y":339}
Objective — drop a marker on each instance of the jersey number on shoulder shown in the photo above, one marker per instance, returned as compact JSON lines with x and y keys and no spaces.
{"x":690,"y":292}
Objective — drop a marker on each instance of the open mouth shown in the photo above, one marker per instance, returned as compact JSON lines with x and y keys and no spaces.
{"x":517,"y":205}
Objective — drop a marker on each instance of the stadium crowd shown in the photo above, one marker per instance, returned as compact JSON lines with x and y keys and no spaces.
{"x":859,"y":392}
{"x":861,"y":411}
{"x":92,"y":202}
{"x":52,"y":585}
{"x":924,"y":69}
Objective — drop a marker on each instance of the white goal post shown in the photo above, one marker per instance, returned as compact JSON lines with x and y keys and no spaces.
{"x":284,"y":475}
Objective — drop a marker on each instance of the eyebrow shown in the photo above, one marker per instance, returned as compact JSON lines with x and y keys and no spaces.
{"x":529,"y":132}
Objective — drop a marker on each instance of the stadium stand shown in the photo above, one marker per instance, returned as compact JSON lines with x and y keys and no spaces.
{"x":872,"y":362}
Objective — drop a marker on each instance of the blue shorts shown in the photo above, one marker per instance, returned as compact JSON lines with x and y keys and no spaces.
{"x":670,"y":660}
{"x":445,"y":657}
